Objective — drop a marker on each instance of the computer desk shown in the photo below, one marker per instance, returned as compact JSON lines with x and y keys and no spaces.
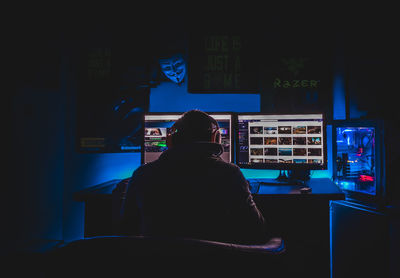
{"x":303,"y":220}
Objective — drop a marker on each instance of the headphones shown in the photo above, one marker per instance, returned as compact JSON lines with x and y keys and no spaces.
{"x":173,"y":135}
{"x":216,"y":135}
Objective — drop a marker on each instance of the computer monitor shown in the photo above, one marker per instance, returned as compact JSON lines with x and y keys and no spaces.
{"x":281,"y":141}
{"x":157,"y":125}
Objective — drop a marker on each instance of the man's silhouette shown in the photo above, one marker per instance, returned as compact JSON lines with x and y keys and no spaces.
{"x":191,"y":192}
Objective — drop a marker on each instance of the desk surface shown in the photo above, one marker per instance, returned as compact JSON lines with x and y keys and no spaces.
{"x":102,"y":190}
{"x":320,"y":188}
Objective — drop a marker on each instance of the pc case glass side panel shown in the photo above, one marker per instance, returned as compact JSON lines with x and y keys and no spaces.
{"x":355,"y":159}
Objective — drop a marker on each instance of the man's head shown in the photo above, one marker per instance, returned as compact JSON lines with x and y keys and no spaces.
{"x":194,"y":126}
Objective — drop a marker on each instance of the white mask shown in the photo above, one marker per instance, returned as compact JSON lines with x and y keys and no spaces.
{"x":174,"y":67}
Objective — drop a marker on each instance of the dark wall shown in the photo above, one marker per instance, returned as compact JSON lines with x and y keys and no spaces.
{"x":45,"y":168}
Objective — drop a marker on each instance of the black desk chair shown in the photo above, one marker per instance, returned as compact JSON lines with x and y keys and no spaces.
{"x":123,"y":254}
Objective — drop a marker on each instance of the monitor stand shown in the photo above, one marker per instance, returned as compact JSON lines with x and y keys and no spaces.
{"x":286,"y":177}
{"x":282,"y":178}
{"x":292,"y":177}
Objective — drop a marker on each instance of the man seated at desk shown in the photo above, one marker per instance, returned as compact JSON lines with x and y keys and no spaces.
{"x":191,"y":192}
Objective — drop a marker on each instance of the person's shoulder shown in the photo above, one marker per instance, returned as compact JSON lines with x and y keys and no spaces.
{"x":228,"y":166}
{"x":233,"y":178}
{"x":145,"y":168}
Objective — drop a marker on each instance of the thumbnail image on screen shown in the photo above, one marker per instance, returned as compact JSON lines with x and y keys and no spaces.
{"x":274,"y":141}
{"x":156,"y":128}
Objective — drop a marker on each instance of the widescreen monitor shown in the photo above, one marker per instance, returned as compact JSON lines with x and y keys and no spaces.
{"x":157,"y":125}
{"x":281,"y":141}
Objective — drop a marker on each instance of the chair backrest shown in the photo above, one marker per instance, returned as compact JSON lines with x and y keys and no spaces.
{"x":120,"y":252}
{"x":169,"y":246}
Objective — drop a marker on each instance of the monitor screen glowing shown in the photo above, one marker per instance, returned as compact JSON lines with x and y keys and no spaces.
{"x":281,"y":141}
{"x":157,"y":125}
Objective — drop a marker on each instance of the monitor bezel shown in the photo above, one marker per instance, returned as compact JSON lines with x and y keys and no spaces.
{"x":233,"y":133}
{"x":282,"y":166}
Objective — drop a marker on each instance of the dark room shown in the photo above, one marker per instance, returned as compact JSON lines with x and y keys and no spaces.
{"x":153,"y":144}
